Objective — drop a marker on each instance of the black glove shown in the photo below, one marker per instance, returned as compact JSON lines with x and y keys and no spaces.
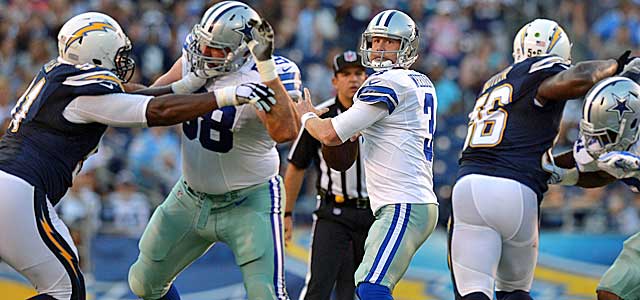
{"x":623,"y":60}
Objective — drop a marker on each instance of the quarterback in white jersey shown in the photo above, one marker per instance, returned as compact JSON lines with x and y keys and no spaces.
{"x":230,"y":191}
{"x":398,"y":144}
{"x":395,"y":112}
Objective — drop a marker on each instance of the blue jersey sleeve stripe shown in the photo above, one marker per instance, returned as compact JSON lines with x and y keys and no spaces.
{"x":377,"y":90}
{"x":287,"y":76}
{"x":385,"y":99}
{"x":292,"y":87}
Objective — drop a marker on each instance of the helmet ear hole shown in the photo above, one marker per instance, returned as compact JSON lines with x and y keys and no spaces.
{"x":634,"y":123}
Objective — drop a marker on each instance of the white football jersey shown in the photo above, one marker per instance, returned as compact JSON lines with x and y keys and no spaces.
{"x":230,"y":148}
{"x":398,"y":148}
{"x":586,"y":163}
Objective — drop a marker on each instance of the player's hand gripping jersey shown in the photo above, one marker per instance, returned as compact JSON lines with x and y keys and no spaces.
{"x":395,"y":174}
{"x":43,"y":147}
{"x":229,"y":148}
{"x":502,"y":139}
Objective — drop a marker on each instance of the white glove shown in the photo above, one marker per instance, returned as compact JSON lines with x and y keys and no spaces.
{"x":620,"y":164}
{"x":257,"y":94}
{"x":558,"y":175}
{"x":188,"y":84}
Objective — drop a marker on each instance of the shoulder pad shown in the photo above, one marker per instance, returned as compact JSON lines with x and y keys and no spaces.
{"x":290,"y":76}
{"x":95,"y":75}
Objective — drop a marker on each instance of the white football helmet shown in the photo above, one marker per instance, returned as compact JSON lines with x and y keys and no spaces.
{"x":97,"y":39}
{"x":541,"y":37}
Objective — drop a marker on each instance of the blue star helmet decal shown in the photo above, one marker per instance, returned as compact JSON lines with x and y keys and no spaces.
{"x":245,"y":30}
{"x":621,"y":106}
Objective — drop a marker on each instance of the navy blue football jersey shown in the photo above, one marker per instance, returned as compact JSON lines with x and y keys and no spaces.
{"x":40,"y":145}
{"x":508,"y":132}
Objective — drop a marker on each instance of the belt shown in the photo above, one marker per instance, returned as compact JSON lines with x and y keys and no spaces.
{"x":342,"y":201}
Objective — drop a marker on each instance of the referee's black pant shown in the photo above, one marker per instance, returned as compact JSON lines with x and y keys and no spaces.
{"x":337,"y":249}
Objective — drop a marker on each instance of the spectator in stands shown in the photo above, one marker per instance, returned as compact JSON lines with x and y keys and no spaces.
{"x":130,"y":208}
{"x":154,"y":158}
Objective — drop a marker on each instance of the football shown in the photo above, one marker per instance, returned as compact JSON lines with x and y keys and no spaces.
{"x":341,"y":157}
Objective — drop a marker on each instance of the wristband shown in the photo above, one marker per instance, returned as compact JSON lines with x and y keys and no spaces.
{"x":267,"y":70}
{"x":225,"y":96}
{"x":307,"y":116}
{"x":287,"y":214}
{"x":179,"y":87}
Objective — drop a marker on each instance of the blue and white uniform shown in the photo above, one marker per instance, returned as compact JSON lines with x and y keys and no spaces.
{"x":230,"y":182}
{"x":395,"y":112}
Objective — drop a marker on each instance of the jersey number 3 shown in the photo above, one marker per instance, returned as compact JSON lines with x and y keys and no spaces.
{"x":215,"y":129}
{"x":488,"y":119}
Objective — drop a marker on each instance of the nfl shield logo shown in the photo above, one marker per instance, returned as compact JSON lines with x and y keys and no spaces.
{"x":350,"y":56}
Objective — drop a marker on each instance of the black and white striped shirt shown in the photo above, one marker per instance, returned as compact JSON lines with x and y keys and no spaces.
{"x":307,"y":149}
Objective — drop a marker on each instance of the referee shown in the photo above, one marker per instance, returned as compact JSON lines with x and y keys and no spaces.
{"x":343,"y":216}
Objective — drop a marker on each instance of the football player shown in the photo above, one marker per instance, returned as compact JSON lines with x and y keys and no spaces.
{"x":230,"y":191}
{"x":395,"y":111}
{"x":493,"y":239}
{"x":607,"y":150}
{"x":58,"y":123}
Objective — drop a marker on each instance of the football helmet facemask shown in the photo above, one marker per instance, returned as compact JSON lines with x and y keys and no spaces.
{"x":225,"y":27}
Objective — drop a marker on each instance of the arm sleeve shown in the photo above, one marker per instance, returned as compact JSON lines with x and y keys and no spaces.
{"x":120,"y":110}
{"x":360,"y":116}
{"x":303,"y":150}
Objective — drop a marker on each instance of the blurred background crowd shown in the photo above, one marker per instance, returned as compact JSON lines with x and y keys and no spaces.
{"x":462,"y":44}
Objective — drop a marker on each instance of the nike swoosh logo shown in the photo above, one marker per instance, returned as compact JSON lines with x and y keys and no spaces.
{"x":286,"y":69}
{"x":109,"y":86}
{"x":374,"y":82}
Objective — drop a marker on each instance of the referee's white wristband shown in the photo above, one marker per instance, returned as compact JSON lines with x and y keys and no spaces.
{"x":306,"y":117}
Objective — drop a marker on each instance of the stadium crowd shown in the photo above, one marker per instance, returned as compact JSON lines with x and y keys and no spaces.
{"x":464,"y":43}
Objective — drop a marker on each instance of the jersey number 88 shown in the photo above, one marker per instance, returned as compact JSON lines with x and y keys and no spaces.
{"x":215,"y":129}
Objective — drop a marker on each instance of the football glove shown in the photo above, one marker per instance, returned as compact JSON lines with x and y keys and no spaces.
{"x":620,"y":164}
{"x":622,"y":61}
{"x":258,"y":94}
{"x":261,"y":47}
{"x":559,"y":175}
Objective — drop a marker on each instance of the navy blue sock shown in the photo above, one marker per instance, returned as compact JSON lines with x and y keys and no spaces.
{"x":515,"y":295}
{"x":371,"y":291}
{"x":42,"y":297}
{"x":172,"y":294}
{"x":473,"y":296}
